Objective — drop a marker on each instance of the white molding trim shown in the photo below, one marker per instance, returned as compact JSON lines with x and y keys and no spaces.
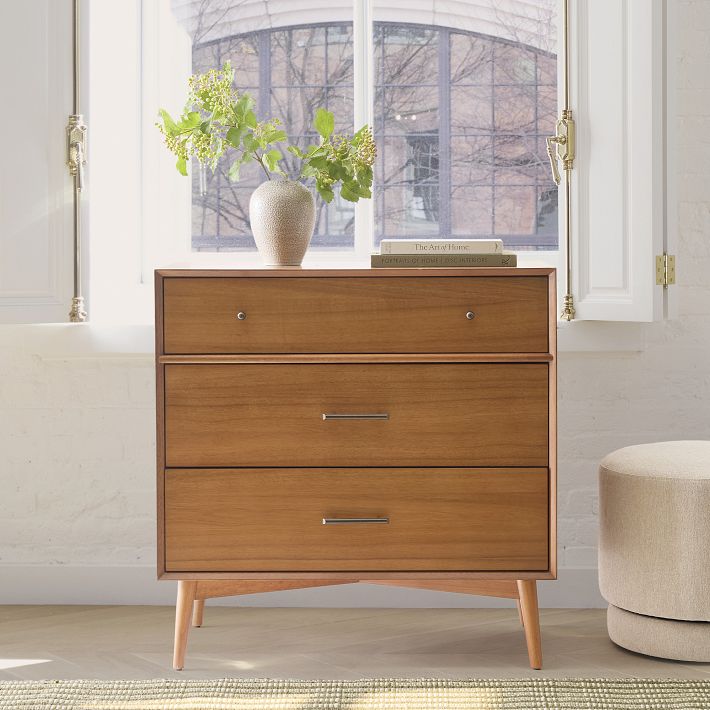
{"x":576,"y":588}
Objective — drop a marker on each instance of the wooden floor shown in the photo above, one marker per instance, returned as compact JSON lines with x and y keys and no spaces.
{"x":134,"y":642}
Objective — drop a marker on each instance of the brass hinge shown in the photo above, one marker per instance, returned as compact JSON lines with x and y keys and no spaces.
{"x":665,"y":270}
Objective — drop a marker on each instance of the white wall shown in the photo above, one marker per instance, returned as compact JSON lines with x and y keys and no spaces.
{"x":77,"y":485}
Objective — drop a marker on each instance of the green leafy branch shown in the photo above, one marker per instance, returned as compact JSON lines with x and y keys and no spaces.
{"x":338,"y":160}
{"x":217,"y":117}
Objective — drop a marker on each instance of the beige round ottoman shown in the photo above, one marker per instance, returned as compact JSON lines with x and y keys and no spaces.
{"x":654,"y":548}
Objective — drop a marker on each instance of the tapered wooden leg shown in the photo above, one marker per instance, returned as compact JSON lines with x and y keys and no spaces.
{"x":520,"y":612}
{"x":198,"y":610}
{"x":183,"y":611}
{"x":527,"y":588}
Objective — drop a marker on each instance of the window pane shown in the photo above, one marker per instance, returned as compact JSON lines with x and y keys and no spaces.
{"x":515,"y":109}
{"x":515,"y":210}
{"x":408,"y":110}
{"x":471,"y":60}
{"x":242,"y":52}
{"x":471,"y":160}
{"x":298,"y":57}
{"x":406,"y":130}
{"x":482,"y":85}
{"x":291,"y":70}
{"x":514,"y":64}
{"x":220,"y":220}
{"x":472,"y":211}
{"x":516,"y":160}
{"x":471,"y":110}
{"x":410,"y":198}
{"x":464,"y":94}
{"x":405,"y":55}
{"x":313,"y":68}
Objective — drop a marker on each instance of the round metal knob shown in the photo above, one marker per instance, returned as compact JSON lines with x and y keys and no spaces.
{"x":470,"y":315}
{"x":241,"y":315}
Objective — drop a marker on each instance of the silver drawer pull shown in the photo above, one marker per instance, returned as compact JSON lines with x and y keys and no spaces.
{"x":352,"y":417}
{"x":470,"y":315}
{"x":241,"y":315}
{"x":352,"y":521}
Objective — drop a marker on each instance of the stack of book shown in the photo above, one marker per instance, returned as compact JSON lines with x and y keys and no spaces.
{"x":418,"y":253}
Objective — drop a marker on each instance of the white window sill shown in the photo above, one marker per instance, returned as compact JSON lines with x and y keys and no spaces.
{"x":77,"y":341}
{"x":123,"y":328}
{"x":69,"y":341}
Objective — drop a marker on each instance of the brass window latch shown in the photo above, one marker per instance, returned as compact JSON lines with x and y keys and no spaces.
{"x":561,"y":147}
{"x":76,"y":148}
{"x":76,"y":160}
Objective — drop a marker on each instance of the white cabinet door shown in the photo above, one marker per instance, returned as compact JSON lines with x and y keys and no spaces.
{"x":36,"y":196}
{"x":618,"y":202}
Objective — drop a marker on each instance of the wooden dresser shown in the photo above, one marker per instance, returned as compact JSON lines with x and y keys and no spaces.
{"x":337,"y":426}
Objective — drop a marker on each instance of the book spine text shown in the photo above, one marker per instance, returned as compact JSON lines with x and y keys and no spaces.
{"x":441,"y":246}
{"x":434,"y":260}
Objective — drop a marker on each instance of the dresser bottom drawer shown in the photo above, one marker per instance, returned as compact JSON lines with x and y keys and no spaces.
{"x":359,"y":520}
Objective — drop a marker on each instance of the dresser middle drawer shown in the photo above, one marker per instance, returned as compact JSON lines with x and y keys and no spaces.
{"x":463,"y":414}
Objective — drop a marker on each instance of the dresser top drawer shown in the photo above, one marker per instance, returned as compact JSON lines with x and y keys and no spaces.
{"x":354,"y":314}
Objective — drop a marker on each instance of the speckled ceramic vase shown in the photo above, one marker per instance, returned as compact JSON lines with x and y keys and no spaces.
{"x":282,"y":214}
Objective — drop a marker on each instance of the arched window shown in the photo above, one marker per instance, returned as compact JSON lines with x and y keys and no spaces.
{"x":460,"y":120}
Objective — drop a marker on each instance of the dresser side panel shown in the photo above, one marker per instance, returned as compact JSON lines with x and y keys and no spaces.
{"x":159,"y":425}
{"x":552,"y":421}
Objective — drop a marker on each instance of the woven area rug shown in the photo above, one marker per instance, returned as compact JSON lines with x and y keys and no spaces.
{"x":381,"y":694}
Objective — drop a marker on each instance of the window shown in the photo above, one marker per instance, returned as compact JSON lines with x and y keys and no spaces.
{"x":460,"y":104}
{"x":619,"y":186}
